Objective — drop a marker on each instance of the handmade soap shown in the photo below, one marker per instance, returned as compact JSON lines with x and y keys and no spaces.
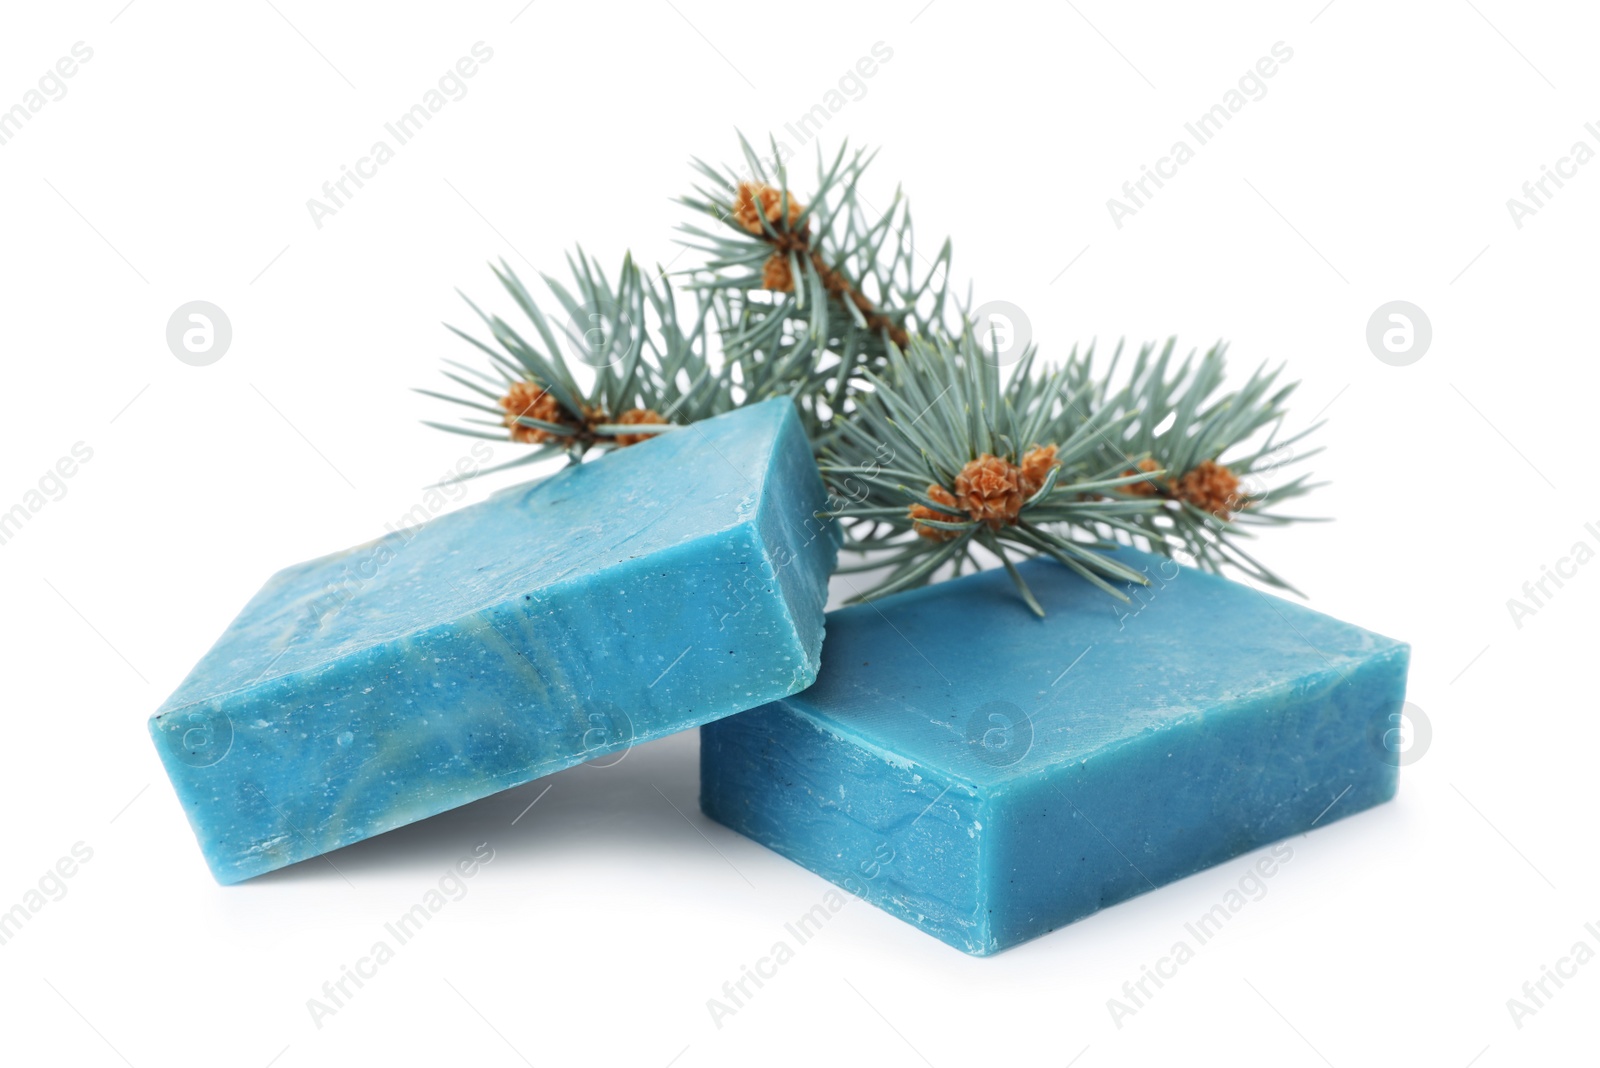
{"x":989,"y":776}
{"x":642,"y":593}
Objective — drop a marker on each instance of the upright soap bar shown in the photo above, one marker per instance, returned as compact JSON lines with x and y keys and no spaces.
{"x":649,"y":591}
{"x":989,"y":776}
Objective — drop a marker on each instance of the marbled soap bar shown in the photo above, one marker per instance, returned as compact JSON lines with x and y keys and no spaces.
{"x":989,"y":776}
{"x":646,"y":592}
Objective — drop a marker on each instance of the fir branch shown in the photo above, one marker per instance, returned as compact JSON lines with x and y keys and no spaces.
{"x":610,"y":364}
{"x":937,"y":463}
{"x":942,"y":459}
{"x":1203,"y":452}
{"x":815,"y":282}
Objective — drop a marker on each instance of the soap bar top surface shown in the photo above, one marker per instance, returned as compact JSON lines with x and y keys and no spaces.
{"x":690,"y":483}
{"x":646,"y":592}
{"x":920,"y":674}
{"x":989,"y":776}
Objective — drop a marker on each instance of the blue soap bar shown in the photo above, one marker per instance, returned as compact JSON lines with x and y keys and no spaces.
{"x":652,"y":590}
{"x":989,"y":776}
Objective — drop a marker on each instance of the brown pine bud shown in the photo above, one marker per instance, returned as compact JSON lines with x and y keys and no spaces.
{"x":534,"y":401}
{"x":637,"y":417}
{"x":1036,"y":466}
{"x":1212,"y":488}
{"x":1147,"y":488}
{"x":921,"y":511}
{"x":757,"y":200}
{"x":990,"y":489}
{"x":776,"y":274}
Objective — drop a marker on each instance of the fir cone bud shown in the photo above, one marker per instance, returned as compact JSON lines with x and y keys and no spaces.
{"x":990,"y":489}
{"x":757,"y":200}
{"x":637,"y":417}
{"x":921,"y":511}
{"x":534,"y":401}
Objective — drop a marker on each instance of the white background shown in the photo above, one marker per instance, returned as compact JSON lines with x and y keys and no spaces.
{"x":1377,"y":167}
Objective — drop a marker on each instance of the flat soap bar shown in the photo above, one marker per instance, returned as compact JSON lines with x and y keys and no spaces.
{"x":646,"y":592}
{"x":989,"y":776}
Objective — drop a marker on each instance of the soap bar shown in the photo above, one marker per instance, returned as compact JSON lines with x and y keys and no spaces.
{"x":639,"y":594}
{"x":989,"y":776}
